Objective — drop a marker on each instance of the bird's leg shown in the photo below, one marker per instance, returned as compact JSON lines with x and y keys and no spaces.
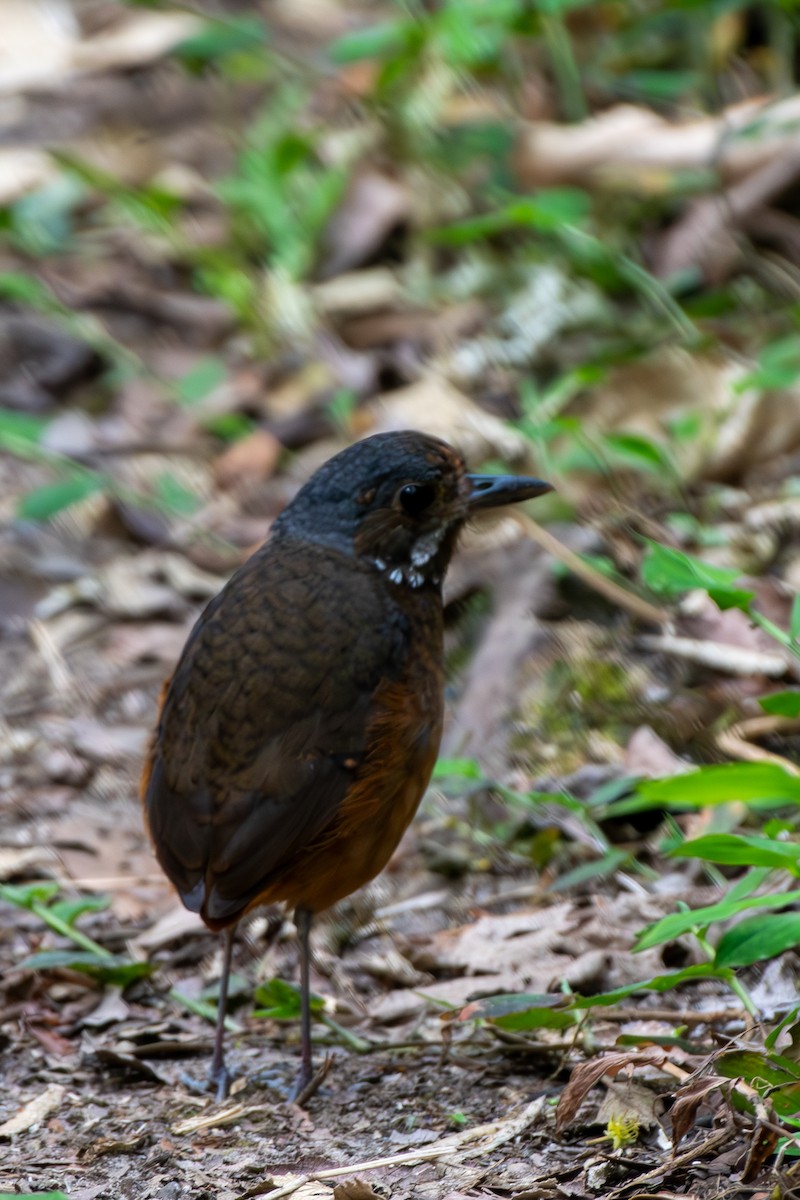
{"x":220,"y":1077}
{"x":303,"y":919}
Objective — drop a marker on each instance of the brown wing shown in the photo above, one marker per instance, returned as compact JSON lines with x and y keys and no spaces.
{"x":264,"y":723}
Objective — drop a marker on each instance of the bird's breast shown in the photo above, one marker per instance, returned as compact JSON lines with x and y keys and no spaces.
{"x":403,"y":737}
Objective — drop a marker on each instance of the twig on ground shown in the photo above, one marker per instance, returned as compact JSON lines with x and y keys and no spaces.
{"x":737,"y":742}
{"x":487,"y":1137}
{"x":612,"y":591}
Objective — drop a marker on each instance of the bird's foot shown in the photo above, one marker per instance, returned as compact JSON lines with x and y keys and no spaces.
{"x":219,"y":1081}
{"x":308,"y":1082}
{"x":198,"y":1086}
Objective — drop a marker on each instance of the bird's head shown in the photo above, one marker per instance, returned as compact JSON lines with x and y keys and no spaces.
{"x":398,"y":502}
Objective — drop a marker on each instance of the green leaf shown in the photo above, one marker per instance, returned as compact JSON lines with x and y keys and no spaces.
{"x":639,"y":451}
{"x":659,"y":85}
{"x":459,"y":768}
{"x":754,"y":1067}
{"x":731,"y":598}
{"x":34,"y":1196}
{"x":282,"y":1001}
{"x":69,"y":910}
{"x":659,"y":983}
{"x":118,"y":971}
{"x":41,"y":221}
{"x":27,"y":289}
{"x":172,"y":497}
{"x":560,"y":7}
{"x":782,"y":704}
{"x":766,"y":1075}
{"x":199,"y":382}
{"x":219,"y":39}
{"x":758,"y":938}
{"x":671,"y":572}
{"x":385,"y":40}
{"x":654,"y":1039}
{"x":789,"y":1022}
{"x":230,"y":427}
{"x":778,"y":366}
{"x":16,"y":428}
{"x":678,"y":923}
{"x":736,"y":849}
{"x":610,"y":792}
{"x":547,"y":1011}
{"x":52,"y":498}
{"x":598,"y":868}
{"x":757,"y":784}
{"x":794,"y":619}
{"x":341,"y":407}
{"x":28,"y":895}
{"x":238,"y":988}
{"x":550,"y":208}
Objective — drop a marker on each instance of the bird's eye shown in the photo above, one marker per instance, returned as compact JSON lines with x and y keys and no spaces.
{"x":416,"y":497}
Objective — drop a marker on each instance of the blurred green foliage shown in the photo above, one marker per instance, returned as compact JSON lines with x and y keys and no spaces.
{"x":285,"y":185}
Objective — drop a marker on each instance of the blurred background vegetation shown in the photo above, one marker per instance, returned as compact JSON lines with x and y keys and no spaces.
{"x":581,"y":214}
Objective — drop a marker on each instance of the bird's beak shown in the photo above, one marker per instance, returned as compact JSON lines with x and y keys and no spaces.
{"x":490,"y":491}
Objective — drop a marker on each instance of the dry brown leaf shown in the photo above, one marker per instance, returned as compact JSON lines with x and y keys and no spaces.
{"x":16,"y":861}
{"x":701,"y":618}
{"x":649,"y":755}
{"x":41,"y":44}
{"x":763,"y":1141}
{"x":719,"y":656}
{"x":326,"y":17}
{"x":703,"y":237}
{"x":531,"y":951}
{"x":34,"y":1112}
{"x":101,"y":742}
{"x":687,"y":1101}
{"x":738,"y":431}
{"x":358,"y":292}
{"x":477,"y":1142}
{"x":101,"y":849}
{"x":111,"y":1009}
{"x":313,"y":1191}
{"x":645,"y":396}
{"x":53,"y":1043}
{"x":373,"y":206}
{"x":153,"y":582}
{"x":437,"y":331}
{"x":24,"y":169}
{"x":176,"y":924}
{"x":37,"y":43}
{"x":402,"y":1004}
{"x":138,"y":39}
{"x":586,"y":1075}
{"x":248,"y":461}
{"x":436,"y":407}
{"x":520,"y":943}
{"x":231,"y":1114}
{"x":114,"y":1145}
{"x":628,"y":1100}
{"x":159,"y":641}
{"x":631,"y":147}
{"x":512,"y":568}
{"x":355,"y":1189}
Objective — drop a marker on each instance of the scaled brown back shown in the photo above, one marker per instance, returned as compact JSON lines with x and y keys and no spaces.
{"x":300,"y":728}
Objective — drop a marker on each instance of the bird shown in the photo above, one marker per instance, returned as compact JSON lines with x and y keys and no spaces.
{"x":301,"y":725}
